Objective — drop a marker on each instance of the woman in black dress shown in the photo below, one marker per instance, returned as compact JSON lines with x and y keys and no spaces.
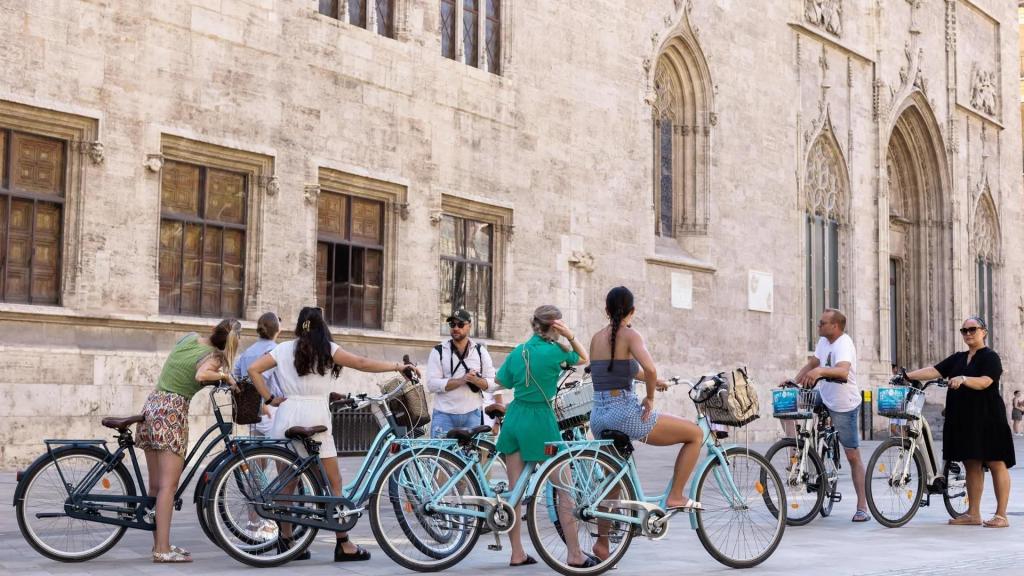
{"x":975,"y":431}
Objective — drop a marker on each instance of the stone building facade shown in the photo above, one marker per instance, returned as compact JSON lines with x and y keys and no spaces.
{"x":738,"y":168}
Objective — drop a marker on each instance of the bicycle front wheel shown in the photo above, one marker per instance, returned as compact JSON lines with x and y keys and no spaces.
{"x":830,"y":476}
{"x":895,"y":482}
{"x":43,"y":520}
{"x":955,"y":494}
{"x":559,"y":526}
{"x":235,"y":492}
{"x":802,"y":482}
{"x":738,"y":525}
{"x":411,"y":535}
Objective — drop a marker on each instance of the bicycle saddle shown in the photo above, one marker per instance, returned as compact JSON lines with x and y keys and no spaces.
{"x":465,"y":434}
{"x":122,"y":424}
{"x":495,"y":411}
{"x":300,"y":432}
{"x":620,"y":441}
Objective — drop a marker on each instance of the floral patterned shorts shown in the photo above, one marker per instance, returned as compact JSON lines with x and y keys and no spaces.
{"x":166,"y":424}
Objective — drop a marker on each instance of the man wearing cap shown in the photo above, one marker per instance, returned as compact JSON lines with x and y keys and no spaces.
{"x":459,"y":373}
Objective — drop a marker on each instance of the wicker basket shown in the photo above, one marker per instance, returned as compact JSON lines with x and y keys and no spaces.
{"x":410,"y":407}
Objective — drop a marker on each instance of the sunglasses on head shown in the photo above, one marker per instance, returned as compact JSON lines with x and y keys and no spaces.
{"x":456,"y":324}
{"x":969,"y":330}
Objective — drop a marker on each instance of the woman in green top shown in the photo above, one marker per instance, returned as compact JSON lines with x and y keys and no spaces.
{"x":164,"y":433}
{"x":531,"y":370}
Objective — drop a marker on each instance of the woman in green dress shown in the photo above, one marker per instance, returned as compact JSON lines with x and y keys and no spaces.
{"x":531,"y":370}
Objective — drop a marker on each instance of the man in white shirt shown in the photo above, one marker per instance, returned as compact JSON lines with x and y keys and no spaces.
{"x":460,"y":374}
{"x":835,"y":359}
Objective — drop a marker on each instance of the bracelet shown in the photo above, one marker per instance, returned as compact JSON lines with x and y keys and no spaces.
{"x":269,"y":400}
{"x":573,"y":339}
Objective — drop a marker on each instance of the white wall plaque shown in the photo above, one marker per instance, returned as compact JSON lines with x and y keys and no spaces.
{"x":682,"y":290}
{"x":759,"y":291}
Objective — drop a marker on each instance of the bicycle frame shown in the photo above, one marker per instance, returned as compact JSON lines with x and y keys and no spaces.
{"x":921,"y":434}
{"x":81,"y":502}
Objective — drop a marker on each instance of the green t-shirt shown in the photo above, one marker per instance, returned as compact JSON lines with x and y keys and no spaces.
{"x":179,"y":372}
{"x":545,"y":366}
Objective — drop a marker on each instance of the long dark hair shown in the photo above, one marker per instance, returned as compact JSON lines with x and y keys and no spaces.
{"x":313,"y":344}
{"x":618,"y":304}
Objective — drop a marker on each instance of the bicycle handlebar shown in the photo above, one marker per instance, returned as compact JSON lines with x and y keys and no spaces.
{"x":901,"y":379}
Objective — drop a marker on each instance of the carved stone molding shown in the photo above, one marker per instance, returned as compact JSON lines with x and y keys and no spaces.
{"x":154,"y":162}
{"x":951,"y":26}
{"x":825,"y":14}
{"x":401,"y":209}
{"x":984,"y":97}
{"x":582,"y":260}
{"x":94,"y":150}
{"x":311,"y":192}
{"x":825,"y":179}
{"x":985,"y":231}
{"x":270,"y":185}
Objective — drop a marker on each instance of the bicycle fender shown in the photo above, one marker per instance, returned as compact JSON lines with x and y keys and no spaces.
{"x":699,"y":471}
{"x":19,"y":489}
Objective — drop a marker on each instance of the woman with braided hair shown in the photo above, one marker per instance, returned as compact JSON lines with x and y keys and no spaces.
{"x":619,"y":356}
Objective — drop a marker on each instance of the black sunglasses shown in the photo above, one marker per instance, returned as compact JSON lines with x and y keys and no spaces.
{"x":969,"y":330}
{"x":456,"y":324}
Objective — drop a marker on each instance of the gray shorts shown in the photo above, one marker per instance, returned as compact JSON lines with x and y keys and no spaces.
{"x":845,"y":424}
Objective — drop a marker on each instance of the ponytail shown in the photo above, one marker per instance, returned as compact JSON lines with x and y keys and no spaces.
{"x":225,"y":339}
{"x":618,"y":304}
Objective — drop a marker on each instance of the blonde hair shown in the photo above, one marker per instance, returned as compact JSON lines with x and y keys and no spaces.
{"x":225,"y":339}
{"x":543,"y":317}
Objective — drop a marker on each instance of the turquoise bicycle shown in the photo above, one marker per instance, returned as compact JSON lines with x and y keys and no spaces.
{"x":599,"y":482}
{"x":434,"y":499}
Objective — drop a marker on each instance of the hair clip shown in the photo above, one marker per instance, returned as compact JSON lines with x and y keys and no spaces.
{"x":305,"y":326}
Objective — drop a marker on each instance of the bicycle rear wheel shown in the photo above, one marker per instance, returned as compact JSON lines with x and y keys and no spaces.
{"x":571,"y":484}
{"x":802,"y":485}
{"x":740,"y":526}
{"x":895,"y":482}
{"x":232,"y":499}
{"x":412,"y":536}
{"x":41,"y":513}
{"x":955,"y":494}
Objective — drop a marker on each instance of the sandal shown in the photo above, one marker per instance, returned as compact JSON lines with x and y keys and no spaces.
{"x":861,"y":516}
{"x":965,"y":520}
{"x":690,"y":506}
{"x":529,"y":560}
{"x":172,"y":557}
{"x":174,"y":548}
{"x":360,"y":555}
{"x":588,"y":562}
{"x":997,"y":521}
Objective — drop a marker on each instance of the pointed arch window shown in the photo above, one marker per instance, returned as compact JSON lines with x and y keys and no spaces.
{"x":825,"y":191}
{"x":985,"y":237}
{"x":682,"y":122}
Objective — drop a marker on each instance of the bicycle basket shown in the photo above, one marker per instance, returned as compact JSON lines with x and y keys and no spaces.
{"x":792,"y":403}
{"x":245,"y":403}
{"x":734,"y":404}
{"x":900,"y":402}
{"x":410,"y":408}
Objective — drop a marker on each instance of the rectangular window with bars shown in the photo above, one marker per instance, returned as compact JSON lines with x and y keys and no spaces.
{"x":32,"y":192}
{"x":467,"y":256}
{"x":357,"y":12}
{"x":202,"y":240}
{"x":470,"y":29}
{"x":385,"y":17}
{"x":329,"y":8}
{"x":350,"y":260}
{"x":822,"y":271}
{"x":493,"y":36}
{"x":448,"y":29}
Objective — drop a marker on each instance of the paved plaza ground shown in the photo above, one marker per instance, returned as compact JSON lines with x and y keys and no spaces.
{"x":825,"y":547}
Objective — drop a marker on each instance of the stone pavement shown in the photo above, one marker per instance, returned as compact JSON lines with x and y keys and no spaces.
{"x":826,"y":546}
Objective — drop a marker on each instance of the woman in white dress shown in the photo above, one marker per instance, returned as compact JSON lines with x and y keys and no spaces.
{"x":307,"y":371}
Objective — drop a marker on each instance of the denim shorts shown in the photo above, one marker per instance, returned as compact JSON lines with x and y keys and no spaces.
{"x":442,"y":422}
{"x":620,"y":410}
{"x":845,"y":424}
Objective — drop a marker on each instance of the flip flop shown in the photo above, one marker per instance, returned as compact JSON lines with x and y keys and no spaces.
{"x":861,"y":516}
{"x":529,"y":560}
{"x":964,"y":520}
{"x":997,"y":521}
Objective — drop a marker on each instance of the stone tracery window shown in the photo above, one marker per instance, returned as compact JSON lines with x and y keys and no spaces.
{"x":682,"y":126}
{"x":985,"y":237}
{"x":825,"y":192}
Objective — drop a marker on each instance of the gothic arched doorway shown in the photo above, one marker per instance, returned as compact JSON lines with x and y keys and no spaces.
{"x":920,"y":257}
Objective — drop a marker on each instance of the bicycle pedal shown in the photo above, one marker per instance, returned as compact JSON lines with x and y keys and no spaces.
{"x":495,"y":547}
{"x":837,"y":497}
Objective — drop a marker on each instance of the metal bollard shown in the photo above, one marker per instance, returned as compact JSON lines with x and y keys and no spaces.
{"x":867,"y":429}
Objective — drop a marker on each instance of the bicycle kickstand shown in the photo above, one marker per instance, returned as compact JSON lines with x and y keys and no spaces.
{"x":496,"y":547}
